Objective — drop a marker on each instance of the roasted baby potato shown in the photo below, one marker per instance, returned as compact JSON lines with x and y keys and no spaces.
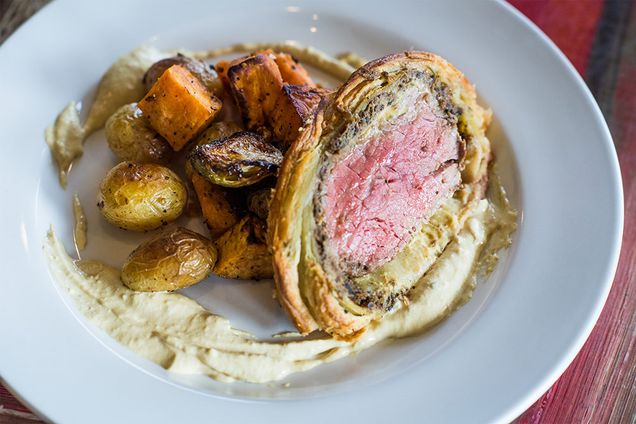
{"x":173,"y":260}
{"x":242,"y":252}
{"x":239,"y":160}
{"x":179,"y":106}
{"x":200,"y":69}
{"x":131,"y":137}
{"x":217,"y":207}
{"x":258,"y":202}
{"x":140,"y":197}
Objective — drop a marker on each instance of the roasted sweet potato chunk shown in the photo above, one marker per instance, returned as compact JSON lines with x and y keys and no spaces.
{"x":292,"y":71}
{"x":242,"y":253}
{"x":265,"y":100}
{"x":221,"y":68}
{"x":198,"y":68}
{"x":256,"y":84}
{"x":178,"y":106}
{"x":216,"y":205}
{"x":293,"y":107}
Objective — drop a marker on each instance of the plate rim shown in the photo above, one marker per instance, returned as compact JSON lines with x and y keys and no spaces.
{"x":610,"y":268}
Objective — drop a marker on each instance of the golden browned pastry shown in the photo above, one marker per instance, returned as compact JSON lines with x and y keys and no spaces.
{"x":373,"y":188}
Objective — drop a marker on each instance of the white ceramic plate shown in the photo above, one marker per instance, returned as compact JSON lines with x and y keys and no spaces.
{"x":487,"y":363}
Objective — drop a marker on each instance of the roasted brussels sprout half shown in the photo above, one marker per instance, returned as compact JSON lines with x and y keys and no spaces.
{"x":131,"y":137}
{"x":243,"y":252}
{"x":201,"y":70}
{"x":216,"y":131}
{"x":258,"y":202}
{"x":141,"y":196}
{"x":239,"y":160}
{"x":175,"y":259}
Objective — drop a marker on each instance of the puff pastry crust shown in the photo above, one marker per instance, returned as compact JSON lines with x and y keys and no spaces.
{"x":311,"y":292}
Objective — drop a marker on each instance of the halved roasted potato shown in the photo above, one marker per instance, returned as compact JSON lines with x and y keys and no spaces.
{"x":243,"y":252}
{"x":131,"y":137}
{"x":141,"y":196}
{"x":175,"y":259}
{"x":239,"y":160}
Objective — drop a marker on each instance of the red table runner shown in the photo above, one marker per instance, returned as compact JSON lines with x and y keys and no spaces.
{"x":599,"y":37}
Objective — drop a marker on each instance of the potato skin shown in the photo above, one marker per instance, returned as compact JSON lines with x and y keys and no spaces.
{"x":131,"y":137}
{"x":243,"y":253}
{"x":141,"y":196}
{"x":175,"y":259}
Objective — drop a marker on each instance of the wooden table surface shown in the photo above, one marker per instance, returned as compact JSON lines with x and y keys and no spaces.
{"x":599,"y":37}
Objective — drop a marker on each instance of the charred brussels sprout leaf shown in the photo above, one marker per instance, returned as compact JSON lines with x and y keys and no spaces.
{"x":217,"y":131}
{"x":239,"y":160}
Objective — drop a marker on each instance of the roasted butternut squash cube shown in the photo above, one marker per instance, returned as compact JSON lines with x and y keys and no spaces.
{"x":242,"y":252}
{"x":216,"y":206}
{"x":179,"y":107}
{"x":295,"y":105}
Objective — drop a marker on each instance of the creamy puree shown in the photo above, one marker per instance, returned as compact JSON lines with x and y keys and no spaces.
{"x":352,"y":59}
{"x":65,"y":138}
{"x":81,"y":225}
{"x":179,"y":334}
{"x":120,"y":85}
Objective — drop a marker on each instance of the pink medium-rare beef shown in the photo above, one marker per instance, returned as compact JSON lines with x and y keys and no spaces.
{"x":387,"y":185}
